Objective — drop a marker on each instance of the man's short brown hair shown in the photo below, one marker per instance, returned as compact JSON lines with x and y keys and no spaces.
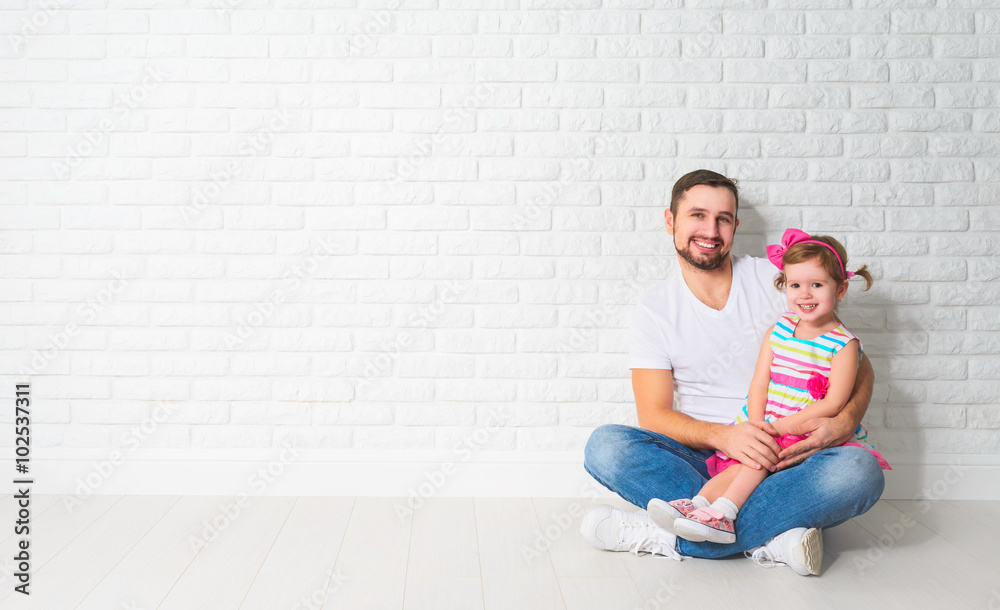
{"x":701,"y":176}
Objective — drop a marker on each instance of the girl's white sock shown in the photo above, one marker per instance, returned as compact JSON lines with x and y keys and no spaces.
{"x":700,"y":502}
{"x":725,"y":507}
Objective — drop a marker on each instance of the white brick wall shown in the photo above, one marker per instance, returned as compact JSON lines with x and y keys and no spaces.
{"x":367,"y":223}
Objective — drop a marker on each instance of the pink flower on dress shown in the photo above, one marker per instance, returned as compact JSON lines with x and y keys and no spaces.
{"x":817,"y":386}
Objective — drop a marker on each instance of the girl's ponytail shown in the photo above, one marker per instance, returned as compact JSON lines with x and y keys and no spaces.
{"x":866,"y":275}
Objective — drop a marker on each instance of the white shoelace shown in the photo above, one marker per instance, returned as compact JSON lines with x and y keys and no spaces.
{"x":762,"y":557}
{"x":641,"y":536}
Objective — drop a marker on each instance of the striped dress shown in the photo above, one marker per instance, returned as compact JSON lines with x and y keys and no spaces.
{"x":795,"y":362}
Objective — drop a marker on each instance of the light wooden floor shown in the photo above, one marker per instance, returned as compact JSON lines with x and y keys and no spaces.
{"x":135,"y":552}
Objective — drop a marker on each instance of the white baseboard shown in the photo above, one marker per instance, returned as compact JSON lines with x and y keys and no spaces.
{"x":424,"y":474}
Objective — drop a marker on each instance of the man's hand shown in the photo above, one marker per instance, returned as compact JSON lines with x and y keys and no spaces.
{"x":823,"y":432}
{"x":752,"y":443}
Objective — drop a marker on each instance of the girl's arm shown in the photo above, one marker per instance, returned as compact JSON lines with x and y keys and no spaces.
{"x":757,"y":396}
{"x":843,"y":370}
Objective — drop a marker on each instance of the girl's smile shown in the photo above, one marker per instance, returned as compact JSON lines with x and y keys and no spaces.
{"x":812,"y":293}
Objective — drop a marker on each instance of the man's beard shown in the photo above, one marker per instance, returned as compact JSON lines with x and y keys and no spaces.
{"x":707,"y":262}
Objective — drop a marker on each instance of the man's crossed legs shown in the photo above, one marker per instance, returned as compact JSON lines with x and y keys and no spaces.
{"x":830,"y":487}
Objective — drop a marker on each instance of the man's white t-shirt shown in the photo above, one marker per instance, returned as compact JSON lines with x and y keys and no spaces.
{"x":712,"y":353}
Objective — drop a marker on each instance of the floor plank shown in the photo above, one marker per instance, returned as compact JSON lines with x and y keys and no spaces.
{"x":596,"y":593}
{"x":373,"y":556}
{"x":976,"y":540}
{"x":223,"y":571}
{"x":517,"y":570}
{"x":443,"y":566}
{"x":64,"y":580}
{"x":54,"y":527}
{"x":300,"y":565}
{"x":962,"y":576}
{"x":572,"y":556}
{"x":144,"y":576}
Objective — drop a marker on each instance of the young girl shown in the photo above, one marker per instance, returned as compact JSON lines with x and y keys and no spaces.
{"x":806,"y":369}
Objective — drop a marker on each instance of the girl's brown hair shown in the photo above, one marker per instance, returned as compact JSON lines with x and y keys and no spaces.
{"x":802,"y":252}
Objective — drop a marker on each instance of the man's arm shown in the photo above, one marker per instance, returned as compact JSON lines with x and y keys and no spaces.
{"x":750,"y":442}
{"x":833,"y":431}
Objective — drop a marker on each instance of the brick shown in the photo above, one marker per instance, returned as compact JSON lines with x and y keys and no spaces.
{"x":965,"y":146}
{"x":435,"y":268}
{"x":763,"y":171}
{"x":517,"y":121}
{"x":543,"y":96}
{"x":685,"y":122}
{"x":985,"y":368}
{"x":557,"y":439}
{"x":935,"y":319}
{"x":849,"y":71}
{"x":683,"y":71}
{"x":804,"y":47}
{"x":722,"y":47}
{"x":720,"y":148}
{"x":727,"y":97}
{"x":441,"y":415}
{"x":847,"y":22}
{"x":967,"y":96}
{"x":520,"y":366}
{"x":681,"y":22}
{"x":966,"y":245}
{"x":638,"y":47}
{"x":560,"y":294}
{"x":451,"y":46}
{"x":847,"y":122}
{"x":932,"y":22}
{"x":938,"y":171}
{"x":981,"y":417}
{"x":888,"y":344}
{"x":885,"y":293}
{"x":502,"y":170}
{"x":393,"y":438}
{"x":964,"y":392}
{"x":763,"y":22}
{"x":891,"y":47}
{"x":896,"y":96}
{"x":930,"y":120}
{"x":849,"y":171}
{"x":810,"y":195}
{"x":477,"y":390}
{"x":861,"y":219}
{"x":926,"y":416}
{"x":985,"y":270}
{"x":965,"y":343}
{"x":926,"y":368}
{"x":966,"y":293}
{"x":923,"y":271}
{"x":561,"y":245}
{"x":965,"y":194}
{"x":466,"y":342}
{"x":458,"y":440}
{"x":789,"y":146}
{"x":557,"y":390}
{"x":928,"y":220}
{"x":764,"y":121}
{"x":811,"y":97}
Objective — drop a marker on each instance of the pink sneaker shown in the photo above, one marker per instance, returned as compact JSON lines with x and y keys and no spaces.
{"x":665,"y":513}
{"x":706,"y":525}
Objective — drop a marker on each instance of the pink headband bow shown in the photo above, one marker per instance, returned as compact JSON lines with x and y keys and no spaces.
{"x":793,"y":236}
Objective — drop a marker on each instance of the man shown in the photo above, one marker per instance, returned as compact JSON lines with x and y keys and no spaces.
{"x":694,"y":342}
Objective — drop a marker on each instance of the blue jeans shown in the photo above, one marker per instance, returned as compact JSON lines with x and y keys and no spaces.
{"x":827,"y":489}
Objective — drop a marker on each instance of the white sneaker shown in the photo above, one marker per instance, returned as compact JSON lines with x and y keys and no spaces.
{"x":613,"y":529}
{"x":800,"y":549}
